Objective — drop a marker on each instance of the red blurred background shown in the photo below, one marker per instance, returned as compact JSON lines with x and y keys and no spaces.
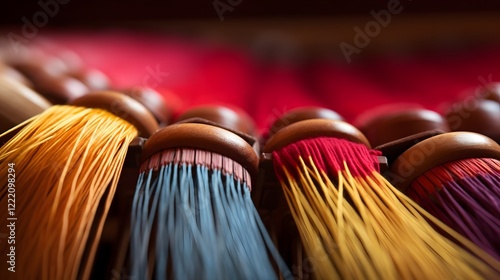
{"x":268,"y":58}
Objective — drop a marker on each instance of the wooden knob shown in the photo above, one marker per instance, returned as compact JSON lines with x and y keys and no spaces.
{"x":18,"y":103}
{"x":438,"y":150}
{"x":301,"y":114}
{"x":232,"y":119}
{"x":311,"y":129}
{"x":122,"y":106}
{"x":204,"y":137}
{"x":392,"y":126}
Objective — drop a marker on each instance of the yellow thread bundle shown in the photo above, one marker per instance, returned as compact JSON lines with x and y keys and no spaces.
{"x":378,"y":234}
{"x":68,"y":161}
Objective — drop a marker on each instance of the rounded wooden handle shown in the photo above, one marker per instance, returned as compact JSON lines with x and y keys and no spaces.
{"x":311,"y":129}
{"x":204,"y":137}
{"x":236,"y":120}
{"x":438,"y":150}
{"x":302,"y":114}
{"x":122,"y":106}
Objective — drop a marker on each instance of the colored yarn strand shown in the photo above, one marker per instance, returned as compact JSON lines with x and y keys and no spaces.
{"x":464,"y":195}
{"x":68,"y":161}
{"x":368,"y":229}
{"x":205,"y":224}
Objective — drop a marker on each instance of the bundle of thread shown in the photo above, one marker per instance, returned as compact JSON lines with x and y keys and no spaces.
{"x":192,"y":215}
{"x":443,"y":173}
{"x":71,"y":155}
{"x":456,"y":177}
{"x":352,"y":222}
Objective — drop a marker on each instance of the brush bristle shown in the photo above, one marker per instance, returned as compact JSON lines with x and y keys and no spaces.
{"x":341,"y":154}
{"x":346,"y":211}
{"x":193,"y":210}
{"x":434,"y":180}
{"x":464,"y":195}
{"x":68,"y":162}
{"x":189,"y":156}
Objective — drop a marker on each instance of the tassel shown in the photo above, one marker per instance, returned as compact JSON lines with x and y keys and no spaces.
{"x":192,"y":216}
{"x":353,"y":223}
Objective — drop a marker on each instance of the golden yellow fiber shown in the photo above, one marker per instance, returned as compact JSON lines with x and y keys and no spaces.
{"x":378,"y":234}
{"x":67,"y":162}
